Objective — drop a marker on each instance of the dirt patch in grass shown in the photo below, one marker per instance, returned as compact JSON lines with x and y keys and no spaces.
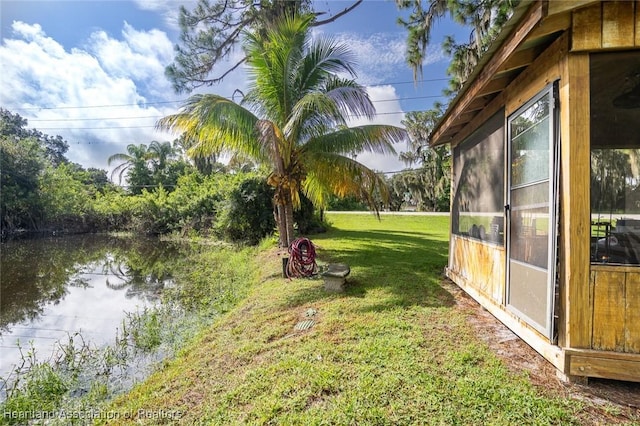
{"x":606,"y":401}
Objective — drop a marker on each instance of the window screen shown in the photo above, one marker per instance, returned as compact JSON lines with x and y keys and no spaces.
{"x":478,"y":183}
{"x":615,"y":157}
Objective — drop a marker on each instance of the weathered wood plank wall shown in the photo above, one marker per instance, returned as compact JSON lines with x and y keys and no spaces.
{"x":607,"y":25}
{"x":615,"y":304}
{"x":481,"y":264}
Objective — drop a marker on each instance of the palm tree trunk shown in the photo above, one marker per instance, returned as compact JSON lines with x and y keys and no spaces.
{"x":288,"y":211}
{"x":281,"y":220}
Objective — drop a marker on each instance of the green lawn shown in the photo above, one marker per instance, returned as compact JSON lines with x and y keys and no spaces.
{"x":394,"y":349}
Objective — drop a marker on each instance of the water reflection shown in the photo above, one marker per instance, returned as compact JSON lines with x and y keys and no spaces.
{"x":53,"y":287}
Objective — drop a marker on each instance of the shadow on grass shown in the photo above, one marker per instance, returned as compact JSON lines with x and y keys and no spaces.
{"x":402,"y":268}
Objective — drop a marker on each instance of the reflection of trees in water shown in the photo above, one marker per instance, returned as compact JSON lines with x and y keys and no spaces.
{"x":37,"y":272}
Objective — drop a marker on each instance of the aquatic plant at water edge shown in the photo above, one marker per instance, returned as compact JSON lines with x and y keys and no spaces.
{"x":80,"y":377}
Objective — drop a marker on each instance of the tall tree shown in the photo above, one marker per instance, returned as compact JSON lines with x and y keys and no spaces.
{"x":429,"y":184}
{"x":21,"y":163}
{"x":293,"y":120}
{"x":484,"y":17}
{"x":159,"y":153}
{"x":210,"y":32}
{"x":134,"y":164}
{"x":205,"y":165}
{"x":14,"y":126}
{"x":34,"y":172}
{"x":148,"y":166}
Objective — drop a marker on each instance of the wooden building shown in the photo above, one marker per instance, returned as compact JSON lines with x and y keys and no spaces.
{"x":545,"y":199}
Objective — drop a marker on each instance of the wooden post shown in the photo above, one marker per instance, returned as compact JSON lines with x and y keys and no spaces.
{"x":575,"y":208}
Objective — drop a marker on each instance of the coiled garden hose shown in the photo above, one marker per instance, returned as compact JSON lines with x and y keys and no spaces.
{"x":302,"y":259}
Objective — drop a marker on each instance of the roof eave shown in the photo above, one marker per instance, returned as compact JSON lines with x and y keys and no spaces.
{"x":512,"y":25}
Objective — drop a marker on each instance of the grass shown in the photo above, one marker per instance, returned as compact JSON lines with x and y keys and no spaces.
{"x":80,"y":378}
{"x":393,"y":349}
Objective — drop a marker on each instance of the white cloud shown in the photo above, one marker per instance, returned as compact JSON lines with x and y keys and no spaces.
{"x":110,"y":92}
{"x":155,"y":5}
{"x":169,"y":9}
{"x":74,"y":92}
{"x":388,"y":110}
{"x":381,"y":55}
{"x":140,"y":56}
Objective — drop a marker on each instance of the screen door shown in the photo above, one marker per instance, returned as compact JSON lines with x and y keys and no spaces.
{"x":531,"y":207}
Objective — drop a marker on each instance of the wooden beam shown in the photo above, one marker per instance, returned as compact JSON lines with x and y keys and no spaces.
{"x":478,"y":103}
{"x":534,"y":15}
{"x":524,"y":86}
{"x":468,"y":116}
{"x":551,"y":24}
{"x":478,"y":120}
{"x":607,"y":368}
{"x":598,"y":267}
{"x":575,"y":170}
{"x":618,"y":24}
{"x":587,"y":28}
{"x":495,"y":85}
{"x":457,"y":127}
{"x":590,"y":353}
{"x":632,"y":313}
{"x":545,"y":70}
{"x":520,"y":59}
{"x":474,"y":116}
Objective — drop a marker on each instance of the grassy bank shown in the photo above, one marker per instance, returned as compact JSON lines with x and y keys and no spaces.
{"x":393,"y":349}
{"x":79,"y":377}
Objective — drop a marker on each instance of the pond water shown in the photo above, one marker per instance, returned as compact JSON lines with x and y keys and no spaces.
{"x":52,"y":288}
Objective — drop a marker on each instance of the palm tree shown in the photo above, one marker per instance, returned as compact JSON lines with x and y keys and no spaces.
{"x":143,"y":165}
{"x":159,"y":153}
{"x":205,"y":165}
{"x":135,"y":155}
{"x":295,"y":120}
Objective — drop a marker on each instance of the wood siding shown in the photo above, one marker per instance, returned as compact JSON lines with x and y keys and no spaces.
{"x":599,"y":305}
{"x":614,"y":304}
{"x":606,"y":25}
{"x":479,"y":263}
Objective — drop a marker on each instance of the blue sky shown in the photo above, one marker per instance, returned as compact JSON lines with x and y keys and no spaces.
{"x":93,"y":71}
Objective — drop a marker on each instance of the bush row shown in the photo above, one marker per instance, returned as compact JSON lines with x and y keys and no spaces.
{"x":236,"y":207}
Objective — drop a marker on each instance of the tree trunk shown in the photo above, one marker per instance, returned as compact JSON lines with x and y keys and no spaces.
{"x":288,"y":211}
{"x":281,"y":221}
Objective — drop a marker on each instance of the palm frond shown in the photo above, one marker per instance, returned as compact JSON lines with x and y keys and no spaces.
{"x":342,"y":176}
{"x":273,"y":62}
{"x":351,"y":97}
{"x":324,"y":58}
{"x":314,"y":114}
{"x":120,"y":170}
{"x":119,"y":157}
{"x":215,"y":124}
{"x":328,"y":107}
{"x":378,"y":138}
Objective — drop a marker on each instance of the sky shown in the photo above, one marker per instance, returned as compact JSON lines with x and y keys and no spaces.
{"x":93,"y":71}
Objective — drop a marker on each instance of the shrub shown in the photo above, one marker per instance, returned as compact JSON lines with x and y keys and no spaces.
{"x":248,"y":212}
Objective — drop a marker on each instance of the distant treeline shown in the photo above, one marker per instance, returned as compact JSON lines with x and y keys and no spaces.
{"x":42,"y":191}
